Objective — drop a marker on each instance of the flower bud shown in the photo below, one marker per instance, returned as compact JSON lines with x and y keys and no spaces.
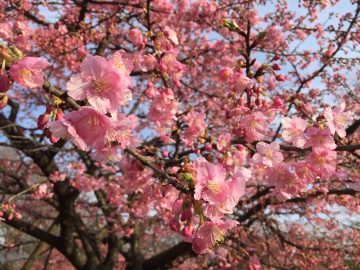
{"x":59,"y":115}
{"x":136,"y":37}
{"x":175,"y":224}
{"x":188,"y":230}
{"x":42,"y":120}
{"x":280,"y":78}
{"x":277,"y":57}
{"x":276,"y":66}
{"x":208,"y":147}
{"x":164,"y":154}
{"x":53,"y":139}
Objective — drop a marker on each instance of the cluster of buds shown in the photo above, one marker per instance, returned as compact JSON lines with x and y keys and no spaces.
{"x":277,"y":67}
{"x":51,"y":113}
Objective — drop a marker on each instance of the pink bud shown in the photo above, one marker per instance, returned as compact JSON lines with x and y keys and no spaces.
{"x":53,"y":139}
{"x":280,"y":78}
{"x":239,"y":147}
{"x":4,"y":83}
{"x":136,"y":37}
{"x":42,"y":121}
{"x":277,"y":57}
{"x":175,"y":224}
{"x":278,"y":103}
{"x":59,"y":115}
{"x":208,"y":147}
{"x":276,"y":66}
{"x":165,"y":154}
{"x":188,"y":230}
{"x":177,"y":205}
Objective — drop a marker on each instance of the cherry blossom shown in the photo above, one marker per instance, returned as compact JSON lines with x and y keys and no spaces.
{"x":294,"y":131}
{"x":28,"y":72}
{"x":338,"y":119}
{"x":254,"y":125}
{"x":319,"y":139}
{"x":211,"y":233}
{"x":323,"y":163}
{"x":268,"y":154}
{"x":85,"y":127}
{"x":210,"y":182}
{"x":100,"y":84}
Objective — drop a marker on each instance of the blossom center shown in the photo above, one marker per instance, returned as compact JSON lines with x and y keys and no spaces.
{"x":26,"y":74}
{"x":119,"y":64}
{"x":268,"y":153}
{"x":99,"y":86}
{"x":218,"y":235}
{"x":214,"y":186}
{"x":321,"y":161}
{"x":93,"y":121}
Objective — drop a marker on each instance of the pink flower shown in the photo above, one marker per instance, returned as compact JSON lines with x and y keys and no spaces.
{"x":304,"y":171}
{"x":337,"y":119}
{"x":268,"y":154}
{"x":294,"y":131}
{"x":85,"y":127}
{"x":136,"y":37}
{"x":210,"y":182}
{"x":5,"y":31}
{"x":107,"y":154}
{"x":211,"y":233}
{"x":323,"y":163}
{"x":241,"y":82}
{"x":123,"y":65}
{"x":170,"y":65}
{"x":224,"y":141}
{"x":319,"y":139}
{"x":196,"y":126}
{"x":121,"y":130}
{"x":237,"y":186}
{"x":255,"y":125}
{"x":171,"y":35}
{"x":164,"y":107}
{"x":100,"y":83}
{"x":235,"y":159}
{"x":28,"y":72}
{"x":286,"y":182}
